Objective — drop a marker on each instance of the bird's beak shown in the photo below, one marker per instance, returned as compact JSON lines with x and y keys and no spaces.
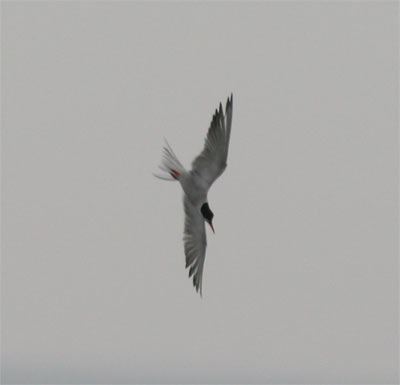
{"x":212,"y":227}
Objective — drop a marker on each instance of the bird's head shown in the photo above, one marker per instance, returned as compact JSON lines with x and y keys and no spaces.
{"x":207,"y":215}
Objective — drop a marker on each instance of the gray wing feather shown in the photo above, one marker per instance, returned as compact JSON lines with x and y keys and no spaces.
{"x":211,"y":163}
{"x":195,"y":242}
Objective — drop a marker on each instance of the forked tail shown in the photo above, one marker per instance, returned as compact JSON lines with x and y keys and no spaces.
{"x":170,"y":164}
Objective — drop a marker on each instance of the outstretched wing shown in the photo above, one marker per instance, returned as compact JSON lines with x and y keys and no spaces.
{"x":211,"y":163}
{"x":195,"y":242}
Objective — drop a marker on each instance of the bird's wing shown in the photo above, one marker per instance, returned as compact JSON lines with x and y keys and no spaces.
{"x":195,"y":241}
{"x":211,"y":163}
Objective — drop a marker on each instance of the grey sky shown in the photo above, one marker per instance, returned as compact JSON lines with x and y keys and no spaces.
{"x":300,"y":281}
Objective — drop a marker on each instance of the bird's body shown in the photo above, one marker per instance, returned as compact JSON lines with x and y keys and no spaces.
{"x":206,"y":168}
{"x":194,"y":188}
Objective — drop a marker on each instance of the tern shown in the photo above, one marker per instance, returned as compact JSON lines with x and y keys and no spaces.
{"x":206,"y":168}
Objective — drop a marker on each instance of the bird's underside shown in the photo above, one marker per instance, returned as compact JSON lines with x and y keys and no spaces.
{"x":206,"y":168}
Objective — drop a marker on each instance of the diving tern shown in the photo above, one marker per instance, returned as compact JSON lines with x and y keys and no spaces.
{"x":206,"y":168}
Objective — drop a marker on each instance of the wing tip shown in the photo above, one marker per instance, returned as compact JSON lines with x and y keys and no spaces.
{"x":197,"y":278}
{"x":198,"y":288}
{"x":229,"y":102}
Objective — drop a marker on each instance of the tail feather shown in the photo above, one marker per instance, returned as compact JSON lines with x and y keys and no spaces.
{"x":170,"y":164}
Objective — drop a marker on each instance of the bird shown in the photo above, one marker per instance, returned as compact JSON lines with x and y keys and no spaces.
{"x":206,"y":168}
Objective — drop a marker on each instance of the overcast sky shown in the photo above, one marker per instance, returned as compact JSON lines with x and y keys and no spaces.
{"x":300,"y":280}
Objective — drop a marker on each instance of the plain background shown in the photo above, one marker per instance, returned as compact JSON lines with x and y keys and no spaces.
{"x":301,"y":278}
